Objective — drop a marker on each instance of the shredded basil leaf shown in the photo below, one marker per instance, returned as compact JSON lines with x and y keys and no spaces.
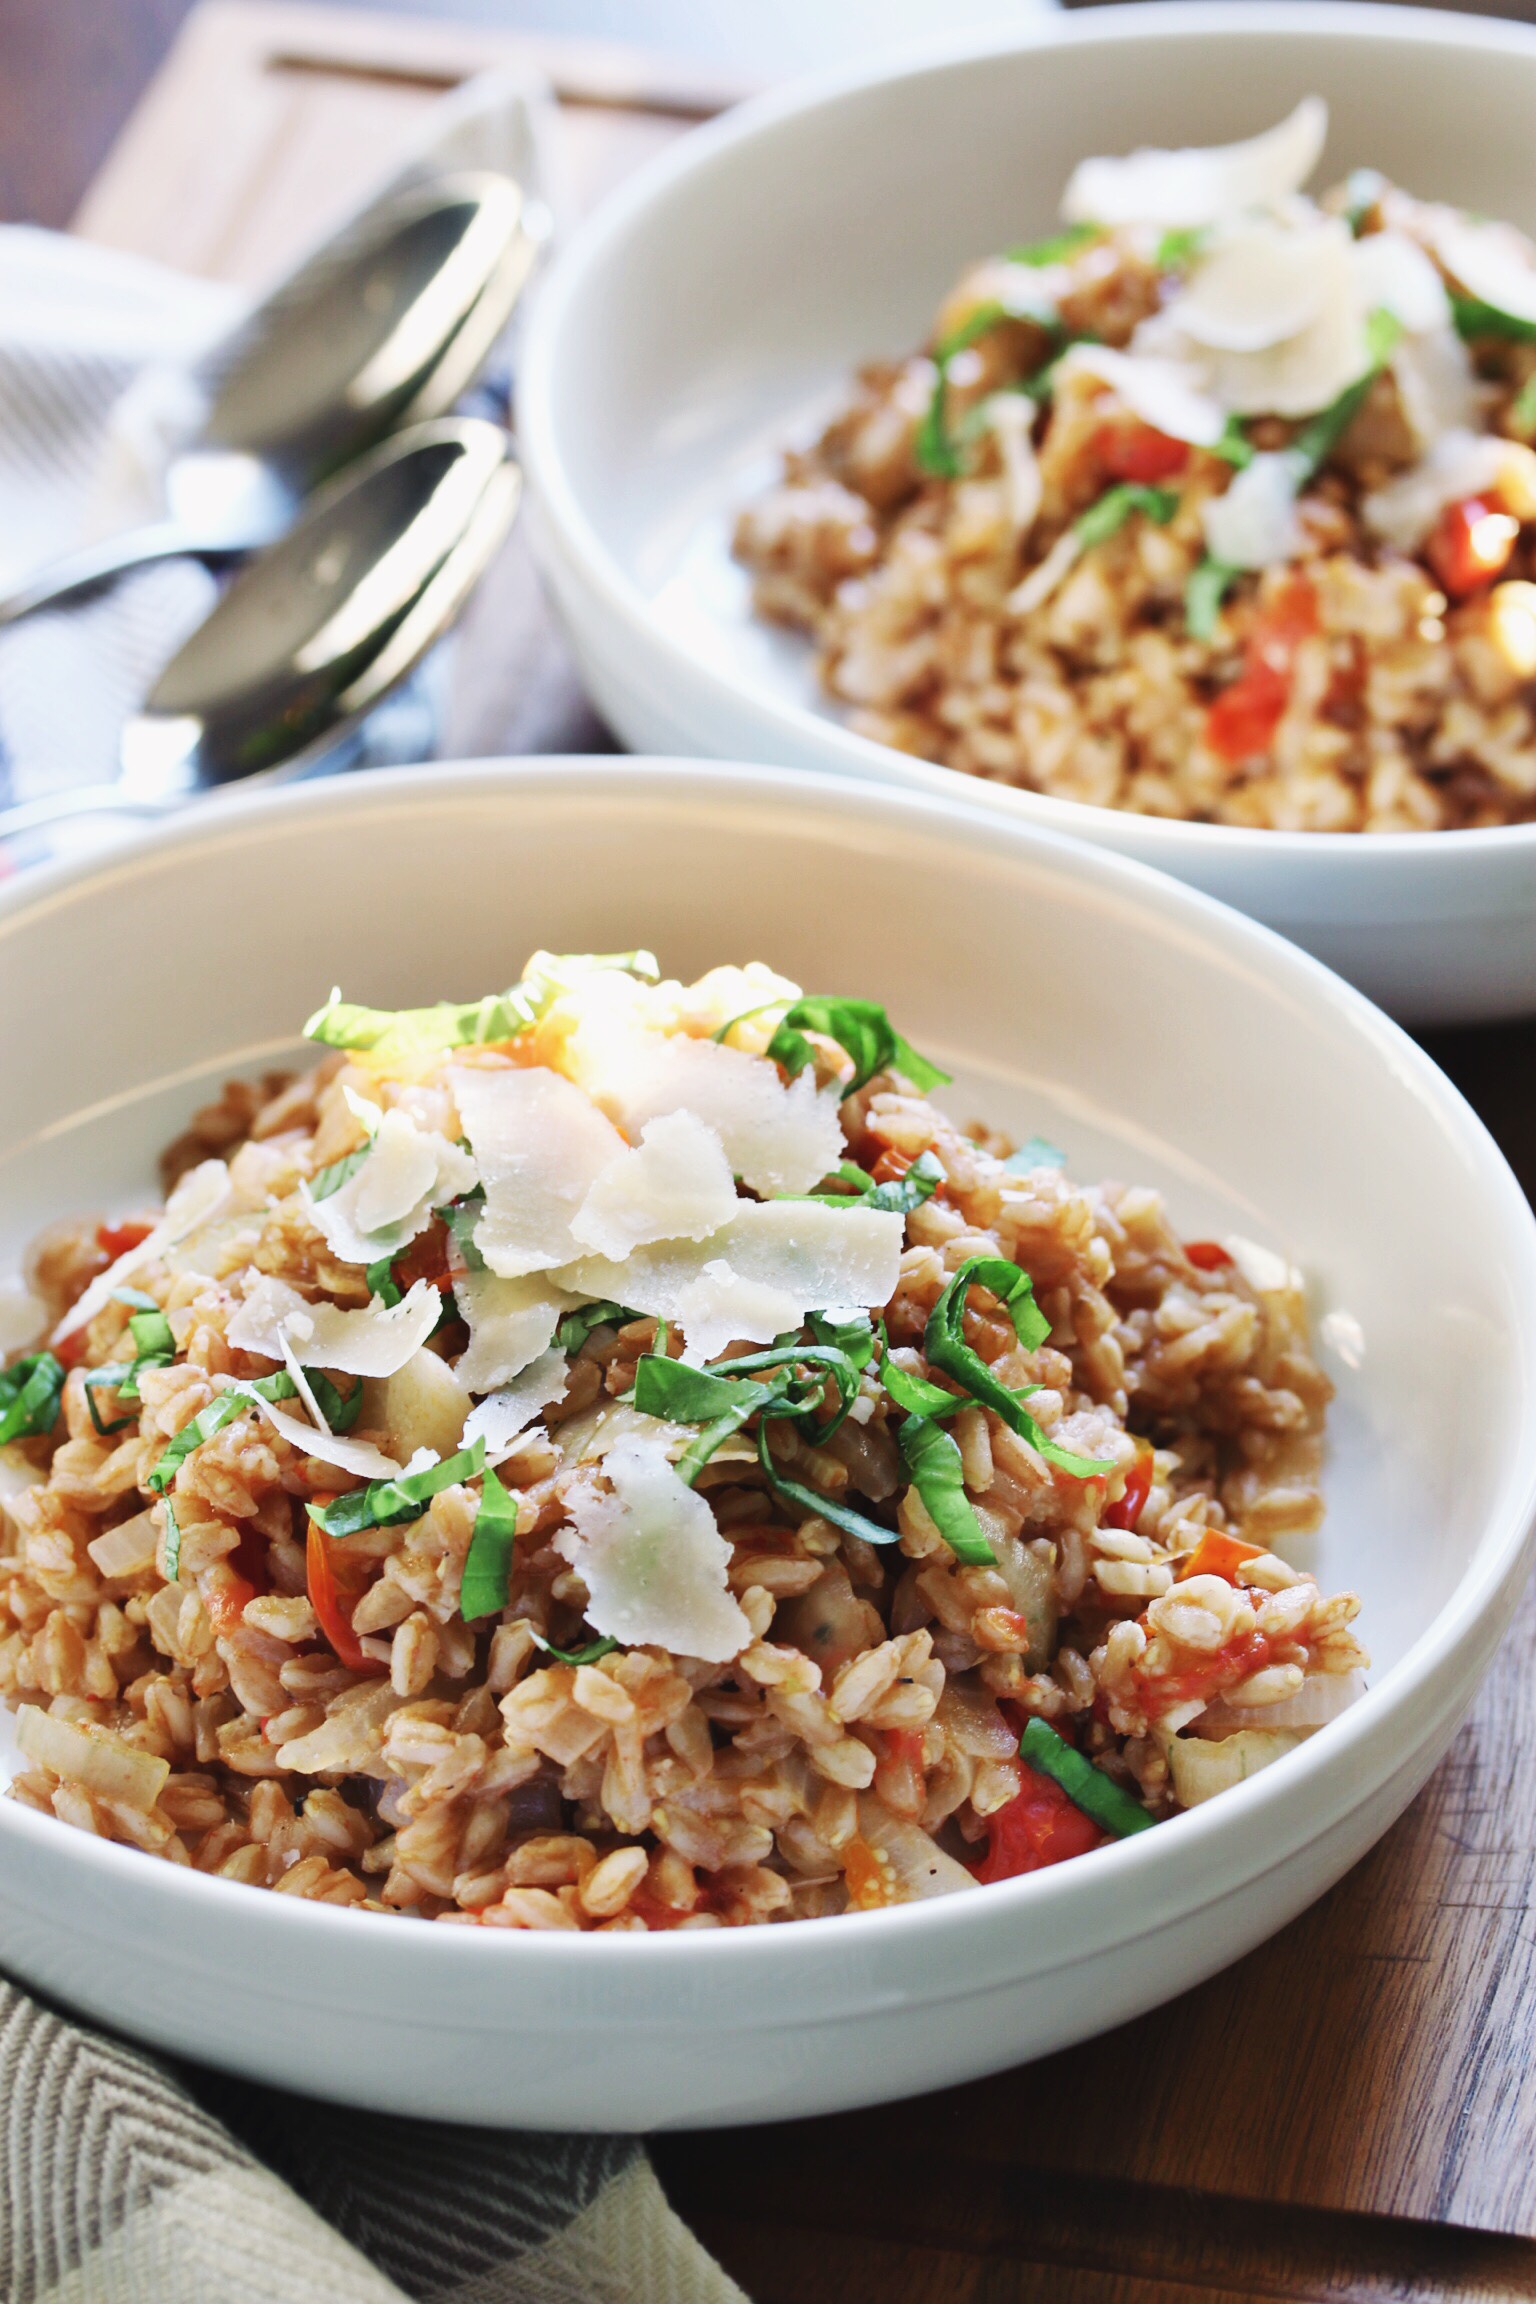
{"x":897,"y":1198}
{"x":1321,"y":434}
{"x":588,"y":1655}
{"x":1056,"y":248}
{"x":1107,"y":1803}
{"x":678,"y":1394}
{"x":932,"y":1457}
{"x":340,"y":1410}
{"x":855,"y":1339}
{"x":1474,"y":318}
{"x":577,"y":1326}
{"x":1208,"y":586}
{"x":461,"y":1217}
{"x":915,"y":1395}
{"x":339,"y":1172}
{"x":390,"y":1503}
{"x":29,"y":1396}
{"x":213,"y":1419}
{"x":172,"y":1543}
{"x":862,"y":1030}
{"x":151,"y":1333}
{"x":488,"y":1562}
{"x":1110,"y":514}
{"x":498,"y":1016}
{"x":109,"y":1379}
{"x":1234,"y":447}
{"x":1179,"y":245}
{"x":381,"y":1282}
{"x":945,"y":1347}
{"x":1038,"y":1152}
{"x":811,"y":1500}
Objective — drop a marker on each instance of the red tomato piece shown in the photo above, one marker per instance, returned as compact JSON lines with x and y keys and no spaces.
{"x":115,"y":1240}
{"x":1242,"y":721}
{"x":71,"y":1351}
{"x":1138,"y":1487}
{"x":335,"y":1579}
{"x":1470,"y":545}
{"x":1209,"y":1255}
{"x":227,"y":1600}
{"x":425,"y":1259}
{"x":1039,"y":1826}
{"x":1131,"y":450}
{"x":891,"y":1166}
{"x":1205,"y":1680}
{"x":1218,"y":1554}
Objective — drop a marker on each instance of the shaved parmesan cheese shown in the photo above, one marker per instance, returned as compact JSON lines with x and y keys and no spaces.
{"x":1459,"y":464}
{"x":372,"y":1342}
{"x":1010,"y":418}
{"x":1393,"y":272}
{"x":758,"y":1275}
{"x":1306,"y":370}
{"x":199,"y":1196}
{"x":675,"y":1185}
{"x":1200,"y":186}
{"x":1491,"y":261}
{"x":652,"y":1559}
{"x":258,"y":1325}
{"x":1260,"y":285}
{"x":1254,"y":524}
{"x":776,"y":1138}
{"x":1437,"y":387}
{"x":359,"y":1457}
{"x":501,"y":1420}
{"x":722,"y":995}
{"x":381,"y":1208}
{"x":540,"y":1145}
{"x":1163,"y":393}
{"x":511,"y":1322}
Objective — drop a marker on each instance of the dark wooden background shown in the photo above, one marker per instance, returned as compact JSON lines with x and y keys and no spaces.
{"x":1350,"y":2112}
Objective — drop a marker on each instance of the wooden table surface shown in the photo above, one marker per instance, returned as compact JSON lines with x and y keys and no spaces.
{"x":1346,"y":2113}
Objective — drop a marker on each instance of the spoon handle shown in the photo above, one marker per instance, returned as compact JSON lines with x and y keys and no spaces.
{"x":98,"y":564}
{"x":83,"y":800}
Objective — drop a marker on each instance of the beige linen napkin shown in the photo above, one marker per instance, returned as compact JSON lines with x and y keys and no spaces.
{"x":124,"y":2182}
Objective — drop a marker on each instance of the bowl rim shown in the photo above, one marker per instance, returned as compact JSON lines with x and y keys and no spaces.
{"x":557,"y":502}
{"x":1149,"y":1881}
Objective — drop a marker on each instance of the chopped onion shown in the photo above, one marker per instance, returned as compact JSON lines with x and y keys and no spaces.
{"x":1199,"y":186}
{"x":1010,"y":419}
{"x":1201,"y":1770}
{"x":21,"y":1315}
{"x":971,"y":1720}
{"x":919,"y":1866}
{"x":1321,"y":1697}
{"x":652,"y":1558}
{"x":81,"y":1753}
{"x":127,"y":1549}
{"x":16,"y":1476}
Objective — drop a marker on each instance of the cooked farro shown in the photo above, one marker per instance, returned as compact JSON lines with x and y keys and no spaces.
{"x":1221,"y":505}
{"x":362,"y":1536}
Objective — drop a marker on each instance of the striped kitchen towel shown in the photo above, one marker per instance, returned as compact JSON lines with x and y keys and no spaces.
{"x":124,"y":2182}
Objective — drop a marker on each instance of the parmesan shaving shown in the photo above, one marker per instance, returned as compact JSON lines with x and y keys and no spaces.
{"x":21,"y":1315}
{"x":777,"y":1138}
{"x":1163,"y":393}
{"x":199,"y":1196}
{"x":382,"y":1207}
{"x":1493,"y":262}
{"x":652,"y":1558}
{"x":540,"y":1144}
{"x":675,"y":1185}
{"x":1010,"y":419}
{"x":376,"y":1341}
{"x":1200,"y":185}
{"x":1306,"y":369}
{"x":758,"y":1275}
{"x":502,"y":1419}
{"x":1459,"y":464}
{"x":359,"y":1457}
{"x":1260,"y":285}
{"x":510,"y":1322}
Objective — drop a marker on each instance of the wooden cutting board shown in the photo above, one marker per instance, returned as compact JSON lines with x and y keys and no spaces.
{"x":1351,"y":2110}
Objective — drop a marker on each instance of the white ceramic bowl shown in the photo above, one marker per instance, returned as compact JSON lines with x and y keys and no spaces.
{"x":716,"y":304}
{"x":1154,"y":1034}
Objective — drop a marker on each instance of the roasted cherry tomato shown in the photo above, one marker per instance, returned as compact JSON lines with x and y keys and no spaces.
{"x":1471,"y":544}
{"x":1138,"y":1487}
{"x":1209,"y":1255}
{"x":1130,"y":450}
{"x":1242,"y":721}
{"x":1218,"y":1554}
{"x":115,"y":1240}
{"x":336,"y":1579}
{"x":1039,"y":1826}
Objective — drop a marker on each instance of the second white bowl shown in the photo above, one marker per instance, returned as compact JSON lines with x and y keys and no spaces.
{"x":715,"y":306}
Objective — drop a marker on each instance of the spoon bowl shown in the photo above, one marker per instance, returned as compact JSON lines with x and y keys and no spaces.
{"x":319,"y":627}
{"x":385,"y":326}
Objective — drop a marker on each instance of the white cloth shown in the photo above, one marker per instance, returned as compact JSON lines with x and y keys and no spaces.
{"x":98,"y":387}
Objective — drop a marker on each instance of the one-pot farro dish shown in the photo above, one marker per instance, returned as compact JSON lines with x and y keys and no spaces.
{"x":1219,"y":504}
{"x":615,"y":1455}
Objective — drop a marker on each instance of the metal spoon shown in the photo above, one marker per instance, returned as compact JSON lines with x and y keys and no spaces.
{"x":388,"y":324}
{"x":319,"y":627}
